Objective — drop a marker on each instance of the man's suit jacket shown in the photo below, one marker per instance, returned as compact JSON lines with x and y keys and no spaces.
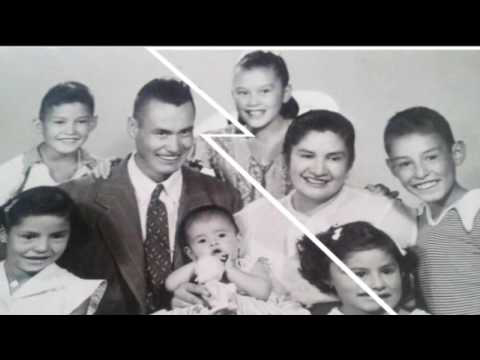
{"x":110,"y":246}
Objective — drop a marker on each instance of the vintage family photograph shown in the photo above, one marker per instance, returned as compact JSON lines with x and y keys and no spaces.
{"x":359,"y":192}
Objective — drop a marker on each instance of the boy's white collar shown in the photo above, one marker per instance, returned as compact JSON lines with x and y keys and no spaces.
{"x":32,"y":157}
{"x":467,"y":207}
{"x":46,"y":280}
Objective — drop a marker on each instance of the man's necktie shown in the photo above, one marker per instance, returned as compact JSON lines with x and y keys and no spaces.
{"x":157,"y":251}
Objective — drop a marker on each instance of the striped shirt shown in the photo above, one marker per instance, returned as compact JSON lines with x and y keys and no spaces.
{"x":448,"y":250}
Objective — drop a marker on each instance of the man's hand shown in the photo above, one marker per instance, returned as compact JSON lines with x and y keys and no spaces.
{"x":189,"y":294}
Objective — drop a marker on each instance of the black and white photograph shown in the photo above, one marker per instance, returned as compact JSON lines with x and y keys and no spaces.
{"x":239,"y":180}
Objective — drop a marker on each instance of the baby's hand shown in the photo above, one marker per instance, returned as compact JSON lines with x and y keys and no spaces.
{"x":209,"y":268}
{"x":230,"y":263}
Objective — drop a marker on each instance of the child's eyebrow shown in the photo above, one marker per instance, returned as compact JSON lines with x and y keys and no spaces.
{"x":65,"y":118}
{"x":61,"y":231}
{"x":397,"y":158}
{"x":305,"y":150}
{"x":391,"y":263}
{"x":198,"y":236}
{"x":263,"y":86}
{"x":334,"y":153}
{"x":353,"y":268}
{"x":436,"y":148}
{"x":28,"y":232}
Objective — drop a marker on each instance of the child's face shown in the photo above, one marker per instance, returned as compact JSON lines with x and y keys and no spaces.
{"x":37,"y":242}
{"x":318,"y":167}
{"x":66,"y":127}
{"x":379,"y":270}
{"x":258,"y":94}
{"x":212,"y":236}
{"x":425,"y":165}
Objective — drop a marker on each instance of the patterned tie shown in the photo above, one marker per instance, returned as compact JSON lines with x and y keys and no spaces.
{"x":157,"y":251}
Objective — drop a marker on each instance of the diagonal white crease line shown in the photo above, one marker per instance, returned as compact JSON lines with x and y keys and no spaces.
{"x":199,"y":91}
{"x":209,"y":139}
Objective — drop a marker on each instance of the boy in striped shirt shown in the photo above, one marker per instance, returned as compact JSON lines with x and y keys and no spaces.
{"x":423,"y":155}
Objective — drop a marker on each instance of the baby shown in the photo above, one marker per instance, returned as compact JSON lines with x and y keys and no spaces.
{"x":212,"y":243}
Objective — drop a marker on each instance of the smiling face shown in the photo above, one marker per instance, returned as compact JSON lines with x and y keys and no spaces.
{"x":214,"y":235}
{"x":66,"y":127}
{"x":377,"y":269}
{"x":425,"y":165}
{"x":163,"y":138}
{"x":36,"y":242}
{"x":259,"y":95}
{"x":318,"y":165}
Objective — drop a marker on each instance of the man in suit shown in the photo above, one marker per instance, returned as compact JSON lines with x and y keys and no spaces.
{"x":130,"y":238}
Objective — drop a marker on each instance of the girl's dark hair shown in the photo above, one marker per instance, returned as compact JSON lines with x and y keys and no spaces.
{"x":353,"y":237}
{"x":321,"y":121}
{"x":268,"y":59}
{"x":38,"y":201}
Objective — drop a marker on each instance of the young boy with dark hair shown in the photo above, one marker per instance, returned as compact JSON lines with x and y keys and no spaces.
{"x":423,"y":155}
{"x":66,"y":119}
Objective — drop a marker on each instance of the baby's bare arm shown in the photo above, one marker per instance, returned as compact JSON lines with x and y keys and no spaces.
{"x":180,"y":276}
{"x":256,"y":283}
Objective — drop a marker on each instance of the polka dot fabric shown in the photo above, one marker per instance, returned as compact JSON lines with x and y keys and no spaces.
{"x":157,"y":252}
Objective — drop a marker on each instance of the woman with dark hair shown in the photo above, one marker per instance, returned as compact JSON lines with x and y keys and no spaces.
{"x":262,"y":94}
{"x":319,"y":150}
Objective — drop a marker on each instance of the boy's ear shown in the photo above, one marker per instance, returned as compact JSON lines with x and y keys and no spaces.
{"x":287,"y":93}
{"x":132,"y":127}
{"x":390,"y":166}
{"x":93,"y":123}
{"x":189,"y":253}
{"x":37,"y":124}
{"x":459,"y":152}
